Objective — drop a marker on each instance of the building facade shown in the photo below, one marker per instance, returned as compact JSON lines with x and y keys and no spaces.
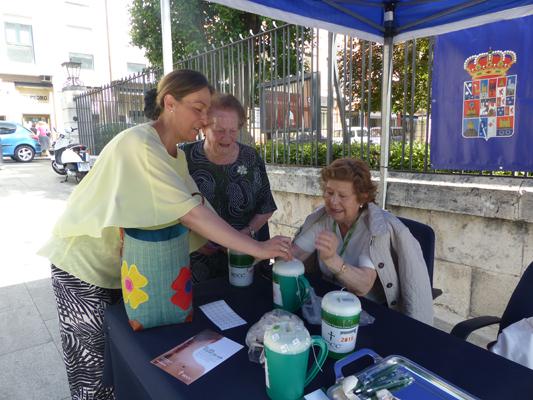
{"x":37,"y":36}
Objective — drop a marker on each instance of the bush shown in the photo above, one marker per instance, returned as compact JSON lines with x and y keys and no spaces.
{"x":314,"y":154}
{"x":418,"y":156}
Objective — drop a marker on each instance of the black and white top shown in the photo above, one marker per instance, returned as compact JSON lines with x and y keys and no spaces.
{"x":237,"y":191}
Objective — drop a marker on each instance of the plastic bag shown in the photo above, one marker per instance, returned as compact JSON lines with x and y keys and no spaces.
{"x":311,"y":309}
{"x":366,"y":318}
{"x":255,"y":335}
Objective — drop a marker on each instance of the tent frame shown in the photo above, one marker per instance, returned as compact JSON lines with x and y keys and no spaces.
{"x":388,"y":35}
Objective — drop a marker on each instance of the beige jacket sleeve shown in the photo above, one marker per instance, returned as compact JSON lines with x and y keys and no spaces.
{"x":402,"y":271}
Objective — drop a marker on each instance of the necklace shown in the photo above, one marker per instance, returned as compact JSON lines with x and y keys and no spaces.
{"x":348,"y":234}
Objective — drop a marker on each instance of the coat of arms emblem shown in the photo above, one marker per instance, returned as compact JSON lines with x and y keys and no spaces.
{"x":489,"y":98}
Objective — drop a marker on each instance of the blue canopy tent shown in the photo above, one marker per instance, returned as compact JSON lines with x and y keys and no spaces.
{"x":386,"y":22}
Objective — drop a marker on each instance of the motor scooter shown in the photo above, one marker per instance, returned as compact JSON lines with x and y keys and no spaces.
{"x":70,"y":159}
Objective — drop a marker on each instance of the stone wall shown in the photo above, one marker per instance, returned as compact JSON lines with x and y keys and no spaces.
{"x":483,"y":228}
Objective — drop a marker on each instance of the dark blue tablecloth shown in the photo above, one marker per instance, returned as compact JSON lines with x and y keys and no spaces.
{"x":128,"y":353}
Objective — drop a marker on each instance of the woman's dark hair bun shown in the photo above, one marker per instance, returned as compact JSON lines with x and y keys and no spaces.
{"x":151,"y":109}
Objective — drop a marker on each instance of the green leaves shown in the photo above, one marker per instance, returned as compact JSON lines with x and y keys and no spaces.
{"x":314,"y":154}
{"x":356,"y":53}
{"x":196,"y":25}
{"x":145,"y":19}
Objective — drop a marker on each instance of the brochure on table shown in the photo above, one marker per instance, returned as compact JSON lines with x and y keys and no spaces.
{"x":196,"y":356}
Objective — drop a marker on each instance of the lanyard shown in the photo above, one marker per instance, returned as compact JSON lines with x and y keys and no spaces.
{"x":347,"y":237}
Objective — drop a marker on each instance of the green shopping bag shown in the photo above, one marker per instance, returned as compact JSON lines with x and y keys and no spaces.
{"x":156,"y":276}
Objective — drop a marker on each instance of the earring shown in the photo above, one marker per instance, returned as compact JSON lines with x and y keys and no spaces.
{"x":360,"y":206}
{"x":171,"y":111}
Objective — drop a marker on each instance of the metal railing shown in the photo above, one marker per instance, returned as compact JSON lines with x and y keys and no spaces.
{"x":104,"y":112}
{"x":300,"y":111}
{"x":275,"y":75}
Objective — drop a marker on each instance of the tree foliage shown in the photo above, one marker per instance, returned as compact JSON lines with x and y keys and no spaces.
{"x":421,"y":73}
{"x":350,"y":63}
{"x":196,"y":25}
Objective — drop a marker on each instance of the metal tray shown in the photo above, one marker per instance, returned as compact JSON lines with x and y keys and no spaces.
{"x":426,"y":385}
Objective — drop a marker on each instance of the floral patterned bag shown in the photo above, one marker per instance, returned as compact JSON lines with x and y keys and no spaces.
{"x":156,"y":276}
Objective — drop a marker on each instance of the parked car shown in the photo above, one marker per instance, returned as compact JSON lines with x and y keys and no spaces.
{"x":18,"y":142}
{"x":358,"y":135}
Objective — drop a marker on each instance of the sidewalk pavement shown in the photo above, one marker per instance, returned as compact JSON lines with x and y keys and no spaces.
{"x":31,"y":366}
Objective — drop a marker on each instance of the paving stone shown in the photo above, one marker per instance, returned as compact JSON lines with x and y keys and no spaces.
{"x":53,"y":328}
{"x":43,"y":296}
{"x":13,"y":297}
{"x":22,"y":328}
{"x":35,"y":373}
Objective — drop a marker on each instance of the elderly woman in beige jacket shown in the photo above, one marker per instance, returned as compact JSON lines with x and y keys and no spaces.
{"x":362,"y":247}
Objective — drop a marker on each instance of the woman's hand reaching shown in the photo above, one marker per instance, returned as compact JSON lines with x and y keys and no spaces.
{"x":206,"y":223}
{"x":278,"y":246}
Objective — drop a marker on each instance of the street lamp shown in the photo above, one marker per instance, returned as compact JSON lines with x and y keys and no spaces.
{"x":73,"y":73}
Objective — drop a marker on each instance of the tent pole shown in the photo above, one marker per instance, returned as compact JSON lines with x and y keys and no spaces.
{"x":386,"y":94}
{"x":331,"y":67}
{"x":166,"y":36}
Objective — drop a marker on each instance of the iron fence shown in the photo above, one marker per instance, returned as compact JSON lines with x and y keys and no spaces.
{"x":104,"y":112}
{"x":300,"y":110}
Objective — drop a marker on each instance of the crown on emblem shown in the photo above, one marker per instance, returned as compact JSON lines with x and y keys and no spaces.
{"x":490,"y":64}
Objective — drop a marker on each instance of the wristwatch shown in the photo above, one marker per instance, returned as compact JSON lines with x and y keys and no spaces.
{"x":341,"y":270}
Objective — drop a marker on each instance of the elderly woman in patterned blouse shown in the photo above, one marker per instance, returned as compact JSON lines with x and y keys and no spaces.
{"x":232,"y":177}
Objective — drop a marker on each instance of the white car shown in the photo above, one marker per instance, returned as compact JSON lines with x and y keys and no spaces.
{"x":355,"y":135}
{"x":361,"y":136}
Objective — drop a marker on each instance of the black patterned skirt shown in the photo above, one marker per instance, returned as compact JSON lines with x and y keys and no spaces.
{"x":81,"y":308}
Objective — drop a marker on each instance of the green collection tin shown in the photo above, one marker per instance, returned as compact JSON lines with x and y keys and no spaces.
{"x":240,"y":268}
{"x":340,"y":321}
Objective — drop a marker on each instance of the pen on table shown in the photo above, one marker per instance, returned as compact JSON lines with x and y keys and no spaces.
{"x":392,"y":385}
